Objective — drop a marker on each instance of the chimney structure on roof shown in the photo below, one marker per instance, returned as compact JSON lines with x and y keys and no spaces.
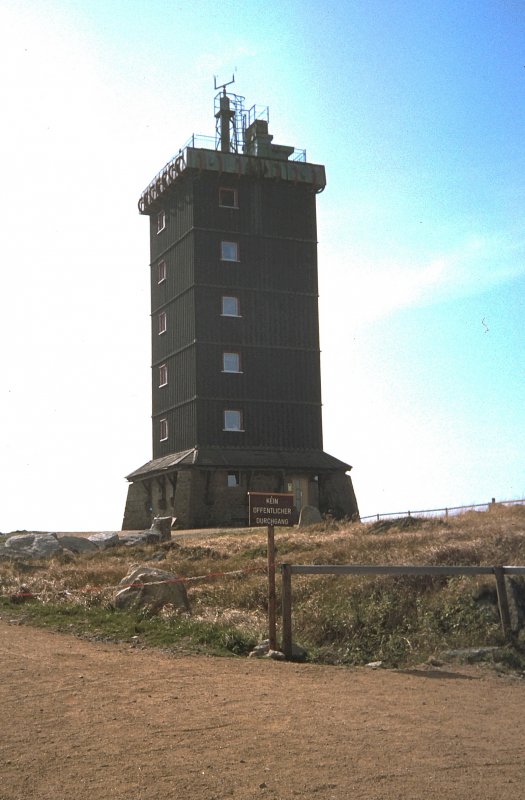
{"x":236,"y":382}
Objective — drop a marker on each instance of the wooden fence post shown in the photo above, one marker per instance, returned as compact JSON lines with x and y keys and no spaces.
{"x":503,"y":602}
{"x":286,"y":575}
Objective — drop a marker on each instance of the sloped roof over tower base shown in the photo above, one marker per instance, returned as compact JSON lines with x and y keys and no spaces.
{"x":232,"y":458}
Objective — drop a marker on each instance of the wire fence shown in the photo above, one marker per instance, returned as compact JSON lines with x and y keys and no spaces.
{"x":442,"y":512}
{"x":24,"y":593}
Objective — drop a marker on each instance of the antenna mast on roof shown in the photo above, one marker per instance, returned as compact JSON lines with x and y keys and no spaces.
{"x":229,"y":126}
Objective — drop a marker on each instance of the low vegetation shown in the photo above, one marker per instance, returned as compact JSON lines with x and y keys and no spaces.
{"x":339,"y":620}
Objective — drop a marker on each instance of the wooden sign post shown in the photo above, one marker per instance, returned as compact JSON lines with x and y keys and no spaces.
{"x":272,"y":616}
{"x":271,"y":510}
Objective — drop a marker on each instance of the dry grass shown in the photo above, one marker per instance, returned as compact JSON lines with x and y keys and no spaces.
{"x":343,"y":620}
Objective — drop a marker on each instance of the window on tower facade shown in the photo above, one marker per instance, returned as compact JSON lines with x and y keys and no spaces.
{"x":233,"y":479}
{"x":229,"y":251}
{"x":232,"y":420}
{"x":163,"y":375}
{"x":162,"y":322}
{"x":163,"y":429}
{"x":231,"y":307}
{"x":228,"y":198}
{"x":161,"y":271}
{"x":161,"y":221}
{"x":231,"y":362}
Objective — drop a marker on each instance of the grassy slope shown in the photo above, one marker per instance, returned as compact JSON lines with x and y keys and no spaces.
{"x":344,"y":620}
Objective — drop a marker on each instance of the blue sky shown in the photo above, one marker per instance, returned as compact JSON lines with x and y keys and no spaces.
{"x":417,"y":111}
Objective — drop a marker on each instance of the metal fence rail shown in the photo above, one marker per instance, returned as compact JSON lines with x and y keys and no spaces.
{"x":451,"y":510}
{"x":287,"y":570}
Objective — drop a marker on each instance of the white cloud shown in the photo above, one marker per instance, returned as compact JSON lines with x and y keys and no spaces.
{"x":381,"y":287}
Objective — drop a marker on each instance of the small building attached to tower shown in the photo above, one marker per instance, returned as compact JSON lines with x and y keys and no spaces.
{"x":236,"y":382}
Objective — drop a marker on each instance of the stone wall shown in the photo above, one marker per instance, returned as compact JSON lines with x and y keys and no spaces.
{"x":202,"y":497}
{"x":183,"y":499}
{"x":337,"y":496}
{"x":136,"y":514}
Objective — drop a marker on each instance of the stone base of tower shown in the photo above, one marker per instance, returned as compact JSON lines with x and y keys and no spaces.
{"x":199,"y":494}
{"x":137,"y":515}
{"x":337,"y":497}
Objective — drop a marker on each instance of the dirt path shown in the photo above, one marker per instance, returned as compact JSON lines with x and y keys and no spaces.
{"x":105,"y":722}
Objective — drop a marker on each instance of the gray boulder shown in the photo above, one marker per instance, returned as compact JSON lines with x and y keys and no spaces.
{"x":20,"y":541}
{"x":299,"y":653}
{"x":45,"y":544}
{"x":161,"y":526}
{"x":33,"y":545}
{"x":275,"y":655}
{"x":309,"y":515}
{"x":160,"y":531}
{"x":262,"y":650}
{"x":77,"y":544}
{"x":152,"y":588}
{"x":104,"y":539}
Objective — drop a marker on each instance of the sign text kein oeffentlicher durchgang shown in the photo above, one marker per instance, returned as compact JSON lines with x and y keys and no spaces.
{"x":274,"y":508}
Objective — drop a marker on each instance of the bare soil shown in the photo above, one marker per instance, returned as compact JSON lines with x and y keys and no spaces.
{"x":94,"y":720}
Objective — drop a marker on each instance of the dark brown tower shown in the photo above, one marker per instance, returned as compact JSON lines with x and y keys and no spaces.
{"x":235,"y":344}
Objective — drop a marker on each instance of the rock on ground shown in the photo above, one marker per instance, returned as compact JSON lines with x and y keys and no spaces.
{"x":309,"y":515}
{"x":33,"y":545}
{"x":262,"y":650}
{"x":162,"y":526}
{"x":77,"y":544}
{"x":160,"y":531}
{"x":104,"y":539}
{"x":153,"y":588}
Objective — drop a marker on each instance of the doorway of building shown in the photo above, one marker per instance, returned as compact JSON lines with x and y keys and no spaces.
{"x":299,"y":488}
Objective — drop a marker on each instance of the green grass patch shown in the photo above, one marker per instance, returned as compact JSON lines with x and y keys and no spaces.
{"x":176,"y":632}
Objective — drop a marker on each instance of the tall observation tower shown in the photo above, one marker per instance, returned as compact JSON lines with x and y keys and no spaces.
{"x":236,"y":379}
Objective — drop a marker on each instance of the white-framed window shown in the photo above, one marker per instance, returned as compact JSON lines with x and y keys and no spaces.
{"x":231,"y":362}
{"x":233,"y":479}
{"x":163,"y":375}
{"x":230,"y":306}
{"x":232,"y":419}
{"x":229,"y":251}
{"x":163,"y":429}
{"x":228,"y":197}
{"x":161,"y":271}
{"x":162,"y":322}
{"x":161,"y":221}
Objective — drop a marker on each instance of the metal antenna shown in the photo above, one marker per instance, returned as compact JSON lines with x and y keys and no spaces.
{"x":222,"y":85}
